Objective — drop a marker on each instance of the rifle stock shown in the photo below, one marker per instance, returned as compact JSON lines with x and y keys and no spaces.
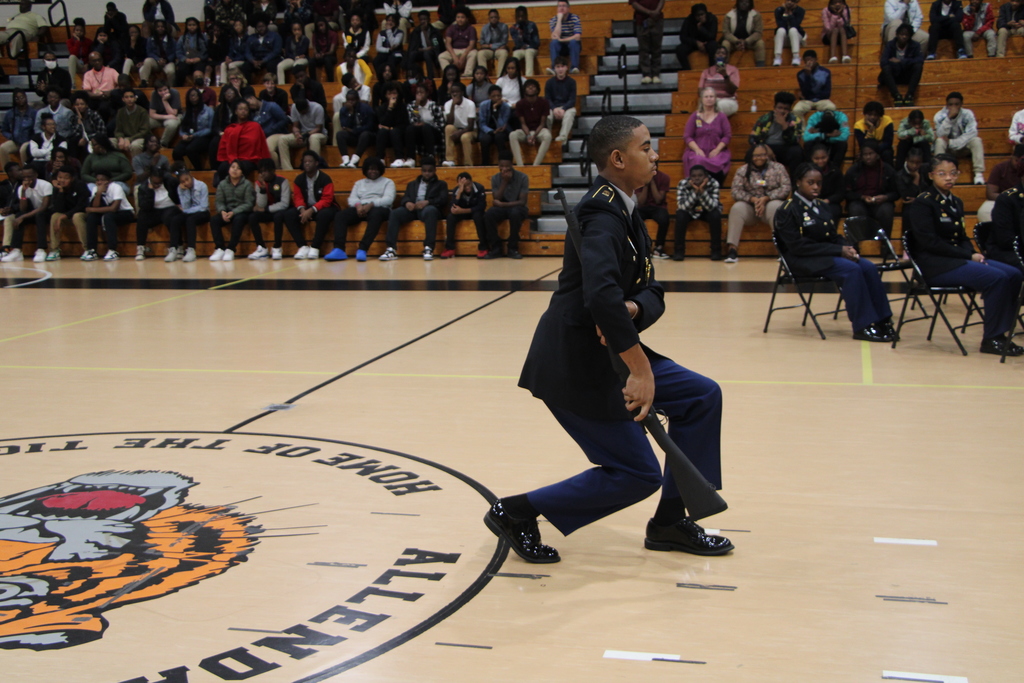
{"x":699,"y":495}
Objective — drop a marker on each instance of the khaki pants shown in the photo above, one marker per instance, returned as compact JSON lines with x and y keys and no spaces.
{"x":129,"y":66}
{"x":567,"y":120}
{"x":985,"y":211}
{"x":527,"y":59}
{"x":803,"y":106}
{"x":286,"y":143}
{"x":17,"y":44}
{"x":1004,"y":38}
{"x":6,"y":150}
{"x":757,"y":47}
{"x":57,"y":221}
{"x":75,"y":67}
{"x":989,"y":37}
{"x":468,"y":139}
{"x":728,"y":106}
{"x":518,"y":137}
{"x":136,"y":145}
{"x":889,"y":33}
{"x":445,"y":58}
{"x":500,"y":56}
{"x":795,"y":41}
{"x":150,"y":65}
{"x":742,"y":214}
{"x":285,"y":67}
{"x":170,"y":129}
{"x":975,"y":148}
{"x":225,"y":67}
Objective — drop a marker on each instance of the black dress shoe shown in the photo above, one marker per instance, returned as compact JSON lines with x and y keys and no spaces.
{"x":997,"y":345}
{"x":716,"y":256}
{"x":522,"y":534}
{"x":514,"y":253}
{"x":493,"y":254}
{"x":686,"y":536}
{"x":679,"y":256}
{"x":872,"y":334}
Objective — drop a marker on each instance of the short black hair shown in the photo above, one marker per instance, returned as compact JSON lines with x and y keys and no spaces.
{"x":44,"y":117}
{"x":787,"y":98}
{"x":810,"y":53}
{"x":915,"y":114}
{"x":372,"y":162}
{"x":905,"y":28}
{"x":99,"y":172}
{"x":266,"y":165}
{"x":493,"y":88}
{"x":943,"y":158}
{"x":532,"y":82}
{"x":955,"y":95}
{"x":464,"y":175}
{"x":803,"y":169}
{"x":311,"y":153}
{"x":609,"y":134}
{"x":69,"y":169}
{"x":873,"y":107}
{"x":915,"y":152}
{"x":869,"y":143}
{"x":7,"y":166}
{"x":698,"y":167}
{"x":505,"y":155}
{"x":1018,"y":150}
{"x":428,"y":161}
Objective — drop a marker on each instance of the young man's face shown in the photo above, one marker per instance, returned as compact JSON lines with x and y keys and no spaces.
{"x":782,"y":109}
{"x":697,"y":177}
{"x":428,"y":171}
{"x":914,"y":164}
{"x":505,"y":168}
{"x":461,"y":19}
{"x":561,"y":70}
{"x":953,"y":105}
{"x":267,"y":176}
{"x":457,"y":96}
{"x":309,"y":165}
{"x":20,"y":99}
{"x":129,"y":98}
{"x":493,"y":18}
{"x":563,"y":8}
{"x":810,"y":62}
{"x":50,"y":127}
{"x":62,"y":180}
{"x":531,"y":90}
{"x":902,"y":38}
{"x":638,"y":157}
{"x":373,"y":172}
{"x":53,"y":99}
{"x":873,"y":118}
{"x":495,"y":99}
{"x":869,"y":157}
{"x":186,"y":181}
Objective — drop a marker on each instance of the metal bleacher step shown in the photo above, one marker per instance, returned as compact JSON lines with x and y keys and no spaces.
{"x":639,"y":103}
{"x":655,"y":122}
{"x":551,"y":224}
{"x":610,"y":64}
{"x":668,"y":44}
{"x":625,"y":28}
{"x":669,"y":83}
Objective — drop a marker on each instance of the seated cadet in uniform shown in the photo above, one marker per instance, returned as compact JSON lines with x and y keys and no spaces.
{"x":1007,"y":227}
{"x":871,"y":188}
{"x":946,"y":257}
{"x":1004,"y":175}
{"x":812,"y":245}
{"x":697,"y":199}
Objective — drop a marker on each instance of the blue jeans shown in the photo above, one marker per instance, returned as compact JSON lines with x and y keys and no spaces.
{"x":572,"y":49}
{"x":863,"y":291}
{"x":627,"y":469}
{"x":999,"y":285}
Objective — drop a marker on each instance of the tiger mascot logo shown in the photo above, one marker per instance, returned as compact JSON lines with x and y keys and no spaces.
{"x":71,"y":551}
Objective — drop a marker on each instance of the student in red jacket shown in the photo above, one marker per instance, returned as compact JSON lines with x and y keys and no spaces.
{"x":79,"y":48}
{"x":314,"y":203}
{"x":243,"y":140}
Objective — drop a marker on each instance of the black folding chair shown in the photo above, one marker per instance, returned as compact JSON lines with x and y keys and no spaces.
{"x":863,"y":229}
{"x":1020,"y":298}
{"x":785,"y":276}
{"x":920,"y":287}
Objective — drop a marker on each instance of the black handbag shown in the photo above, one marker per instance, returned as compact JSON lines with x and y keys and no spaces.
{"x":851,"y":32}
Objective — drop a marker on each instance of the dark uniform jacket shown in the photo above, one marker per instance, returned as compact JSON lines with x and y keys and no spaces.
{"x":72,"y":199}
{"x":936,"y":224}
{"x":567,"y":366}
{"x":437,"y":193}
{"x":808,"y":235}
{"x":1007,"y":226}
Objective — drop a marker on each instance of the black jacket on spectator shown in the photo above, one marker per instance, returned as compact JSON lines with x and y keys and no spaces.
{"x":147,"y":196}
{"x":1007,"y":226}
{"x":888,"y":183}
{"x":57,"y":78}
{"x":437,"y":193}
{"x":72,"y":199}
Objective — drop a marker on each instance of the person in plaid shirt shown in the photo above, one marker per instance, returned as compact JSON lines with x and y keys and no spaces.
{"x":697,"y":199}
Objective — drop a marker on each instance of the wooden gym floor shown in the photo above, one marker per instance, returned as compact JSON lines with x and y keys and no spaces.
{"x":874,"y":493}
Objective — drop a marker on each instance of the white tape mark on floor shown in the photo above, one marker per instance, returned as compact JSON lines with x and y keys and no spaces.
{"x":638,"y":656}
{"x":905,"y":541}
{"x":926,"y":678}
{"x":45,"y":273}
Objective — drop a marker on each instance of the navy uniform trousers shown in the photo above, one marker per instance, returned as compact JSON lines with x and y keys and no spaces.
{"x":626,"y":468}
{"x":863,"y":291}
{"x":999,"y":285}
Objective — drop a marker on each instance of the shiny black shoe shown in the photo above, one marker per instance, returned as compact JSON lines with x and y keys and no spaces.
{"x":872,"y":334}
{"x":514,"y":253}
{"x":998,"y":345}
{"x":522,"y":534}
{"x":685,"y":536}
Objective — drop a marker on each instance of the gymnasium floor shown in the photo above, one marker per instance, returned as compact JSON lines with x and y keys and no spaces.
{"x":874,"y":493}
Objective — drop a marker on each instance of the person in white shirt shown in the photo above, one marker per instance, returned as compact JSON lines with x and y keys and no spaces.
{"x":460,"y":121}
{"x":401,"y":13}
{"x":33,"y":202}
{"x":1016,"y":132}
{"x":511,"y":83}
{"x":370,"y":200}
{"x":110,"y":207}
{"x":956,"y":133}
{"x":41,"y":146}
{"x":903,"y":12}
{"x":348,"y":82}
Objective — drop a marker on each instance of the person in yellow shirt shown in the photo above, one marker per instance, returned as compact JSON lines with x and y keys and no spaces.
{"x":26,"y":21}
{"x":878,"y":126}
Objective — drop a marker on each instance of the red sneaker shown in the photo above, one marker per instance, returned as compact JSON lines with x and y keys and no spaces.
{"x":448,"y":253}
{"x":482,"y":253}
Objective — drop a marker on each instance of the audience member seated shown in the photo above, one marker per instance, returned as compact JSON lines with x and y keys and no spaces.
{"x":494,"y":118}
{"x":815,"y":82}
{"x":947,"y":18}
{"x":788,"y":19}
{"x":871,"y":188}
{"x":460,"y":127}
{"x":99,"y":81}
{"x":313,"y":194}
{"x":79,"y":48}
{"x":195,"y":211}
{"x":911,"y":179}
{"x":479,"y":88}
{"x":165,"y":110}
{"x":236,"y":199}
{"x":468,"y":200}
{"x":902,"y":62}
{"x":106,"y":158}
{"x":150,"y":158}
{"x":31,"y":204}
{"x":525,"y":40}
{"x":878,"y":126}
{"x":160,"y":54}
{"x":560,"y":93}
{"x":196,"y":130}
{"x":510,"y":191}
{"x":124,"y":84}
{"x":426,"y":125}
{"x":134,"y":52}
{"x":68,"y":201}
{"x":707,"y":136}
{"x":356,"y":36}
{"x":154,"y":10}
{"x":915,"y":132}
{"x":238,"y":81}
{"x":108,"y":207}
{"x":392,"y":124}
{"x":979,"y":24}
{"x":566,"y":37}
{"x":956,"y":132}
{"x":836,"y":26}
{"x":370,"y":200}
{"x":833,"y":190}
{"x":1004,"y":176}
{"x":649,"y":28}
{"x":61,"y":115}
{"x":425,"y":45}
{"x":812,"y":245}
{"x":511,"y":83}
{"x":758,"y":190}
{"x":273,"y":199}
{"x":223,"y":116}
{"x":235,"y":57}
{"x":227,"y":12}
{"x":294,"y":52}
{"x":110,"y":49}
{"x":18,"y":127}
{"x":1011,"y":23}
{"x":263,"y":50}
{"x":60,"y":158}
{"x":946,"y":257}
{"x":376,"y":95}
{"x":307,"y":128}
{"x":271,"y":93}
{"x":743,"y":29}
{"x":348,"y":83}
{"x":1007,"y":224}
{"x":324,"y":45}
{"x":900,"y":12}
{"x":42,"y":145}
{"x":724,"y":78}
{"x":115,"y":23}
{"x":158,"y":205}
{"x":354,"y":130}
{"x":698,"y":33}
{"x":131,"y":125}
{"x":781,"y":130}
{"x":652,"y":203}
{"x":449,"y":78}
{"x":312,"y":89}
{"x":425,"y":199}
{"x":190,"y":52}
{"x":355,"y":66}
{"x":831,"y":128}
{"x":697,"y":198}
{"x":86,"y":123}
{"x":493,"y":43}
{"x":26,"y":24}
{"x":389,"y":48}
{"x":532,"y":113}
{"x":1016,"y":131}
{"x":243,"y":142}
{"x":52,"y":76}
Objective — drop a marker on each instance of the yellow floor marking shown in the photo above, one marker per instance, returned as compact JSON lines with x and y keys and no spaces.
{"x":867,"y":372}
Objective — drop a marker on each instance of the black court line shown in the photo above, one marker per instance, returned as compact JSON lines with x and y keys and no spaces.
{"x":509,"y":575}
{"x":677,"y":661}
{"x":397,"y":514}
{"x":253,"y":630}
{"x":346,"y":565}
{"x":706,"y":587}
{"x":477,"y":647}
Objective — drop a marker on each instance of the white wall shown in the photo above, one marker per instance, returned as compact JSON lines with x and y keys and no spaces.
{"x":92,"y":10}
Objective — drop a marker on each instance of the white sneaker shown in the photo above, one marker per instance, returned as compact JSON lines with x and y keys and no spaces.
{"x":574,"y":71}
{"x":777,"y":61}
{"x":833,"y":60}
{"x":353,"y":161}
{"x":12,"y":256}
{"x":388,"y":255}
{"x":217,"y":255}
{"x":448,"y":163}
{"x":398,"y":163}
{"x":847,"y":59}
{"x":428,"y":254}
{"x":302,"y":253}
{"x":410,"y":163}
{"x":313,"y":254}
{"x":54,"y":255}
{"x":89,"y":255}
{"x":656,"y":80}
{"x":275,"y":253}
{"x":259,"y":254}
{"x":549,"y":71}
{"x":646,"y":80}
{"x":111,"y":256}
{"x":979,"y":179}
{"x":172,"y":255}
{"x":344,"y":160}
{"x":796,"y":62}
{"x":229,"y":255}
{"x":190,"y":255}
{"x":140,"y":253}
{"x":39,"y":256}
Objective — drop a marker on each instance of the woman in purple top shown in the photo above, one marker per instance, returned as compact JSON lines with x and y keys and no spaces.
{"x":707,"y":137}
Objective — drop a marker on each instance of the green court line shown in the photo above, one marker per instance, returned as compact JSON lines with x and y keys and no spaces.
{"x":140,"y":307}
{"x":866,"y":370}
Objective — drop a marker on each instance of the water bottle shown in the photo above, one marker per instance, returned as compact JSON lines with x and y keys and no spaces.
{"x":753,"y":106}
